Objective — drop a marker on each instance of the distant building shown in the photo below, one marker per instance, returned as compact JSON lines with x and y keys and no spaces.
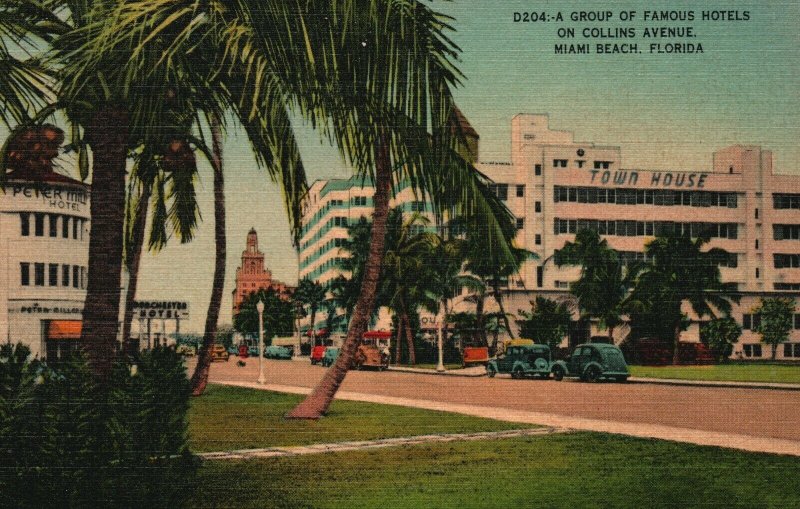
{"x":251,"y":276}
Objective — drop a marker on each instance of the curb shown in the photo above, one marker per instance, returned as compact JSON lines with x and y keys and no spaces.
{"x":716,"y":384}
{"x":452,"y":372}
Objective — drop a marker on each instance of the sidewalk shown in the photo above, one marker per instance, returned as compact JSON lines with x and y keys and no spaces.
{"x":738,"y":441}
{"x":716,"y":383}
{"x":302,"y":450}
{"x":472,"y":371}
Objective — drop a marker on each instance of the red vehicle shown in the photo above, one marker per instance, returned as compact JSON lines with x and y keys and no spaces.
{"x":475,"y":355}
{"x":317,"y":353}
{"x":243,"y":351}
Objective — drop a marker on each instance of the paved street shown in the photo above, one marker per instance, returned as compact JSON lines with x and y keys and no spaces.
{"x":755,"y":412}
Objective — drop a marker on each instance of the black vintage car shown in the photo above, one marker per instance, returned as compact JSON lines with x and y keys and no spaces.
{"x":592,"y":362}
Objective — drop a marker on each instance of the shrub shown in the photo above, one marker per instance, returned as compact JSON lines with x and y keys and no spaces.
{"x":62,"y":436}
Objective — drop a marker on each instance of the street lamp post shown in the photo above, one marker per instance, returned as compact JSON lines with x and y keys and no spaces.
{"x":260,"y":308}
{"x":440,"y":319}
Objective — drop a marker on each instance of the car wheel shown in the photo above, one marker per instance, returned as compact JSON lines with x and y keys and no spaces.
{"x":592,"y":374}
{"x":518,"y":373}
{"x":490,"y":372}
{"x":558,"y":373}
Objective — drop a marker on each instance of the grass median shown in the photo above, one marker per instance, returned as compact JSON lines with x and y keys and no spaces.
{"x":227,"y":418}
{"x":740,"y":372}
{"x":572,"y":470}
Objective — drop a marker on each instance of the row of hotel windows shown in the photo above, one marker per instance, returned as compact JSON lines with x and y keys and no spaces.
{"x":598,"y":165}
{"x":754,"y":350}
{"x":73,"y":275}
{"x":625,"y":228}
{"x":501,"y":190}
{"x":785,"y":201}
{"x":751,"y":321}
{"x":786,"y":231}
{"x":786,"y":261}
{"x":625,"y":196}
{"x":68,"y":225}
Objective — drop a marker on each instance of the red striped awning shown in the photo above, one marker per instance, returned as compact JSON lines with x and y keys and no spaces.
{"x":64,"y":329}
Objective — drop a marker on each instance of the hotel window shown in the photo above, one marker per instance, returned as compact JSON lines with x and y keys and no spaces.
{"x":65,"y":275}
{"x":752,"y":350}
{"x":538,"y":240}
{"x":76,"y":276}
{"x":500,"y":190}
{"x":537,"y":169}
{"x":25,"y":273}
{"x":39,"y":220}
{"x":797,"y":320}
{"x":25,"y":224}
{"x":787,"y":286}
{"x":537,"y":207}
{"x":53,"y":220}
{"x":602,"y":165}
{"x":38,"y":274}
{"x":539,"y":276}
{"x":520,"y":223}
{"x":786,"y":231}
{"x":559,"y":163}
{"x":786,"y":201}
{"x":520,"y":191}
{"x":758,"y":274}
{"x":53,"y":274}
{"x":791,"y":349}
{"x":417,"y":206}
{"x":75,"y":222}
{"x":786,"y":261}
{"x":65,"y":227}
{"x":756,"y":212}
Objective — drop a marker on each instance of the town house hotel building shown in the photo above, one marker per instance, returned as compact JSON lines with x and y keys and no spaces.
{"x":556,"y":186}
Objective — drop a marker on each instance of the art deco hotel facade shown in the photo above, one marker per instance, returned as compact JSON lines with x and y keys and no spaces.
{"x":556,"y":186}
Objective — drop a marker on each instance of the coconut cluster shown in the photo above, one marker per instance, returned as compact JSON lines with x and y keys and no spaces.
{"x":31,"y":150}
{"x":178,"y":156}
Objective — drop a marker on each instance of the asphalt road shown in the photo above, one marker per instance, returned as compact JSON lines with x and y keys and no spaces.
{"x":756,"y":412}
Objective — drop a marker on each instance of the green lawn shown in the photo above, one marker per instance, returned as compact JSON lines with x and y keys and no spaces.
{"x":740,"y":372}
{"x":226,"y":418}
{"x":571,"y":470}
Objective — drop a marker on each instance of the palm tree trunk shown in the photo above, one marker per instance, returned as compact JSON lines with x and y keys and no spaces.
{"x":498,"y":297}
{"x":134,"y":259}
{"x":200,"y":376}
{"x":774,"y":350}
{"x":311,"y":330}
{"x":398,"y":337}
{"x":317,"y":403}
{"x":412,"y":355}
{"x":480,"y":322}
{"x":107,"y":135}
{"x":611,"y":334}
{"x":676,"y":354}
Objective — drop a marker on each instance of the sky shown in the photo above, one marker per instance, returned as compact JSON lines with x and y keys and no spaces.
{"x":668,"y":111}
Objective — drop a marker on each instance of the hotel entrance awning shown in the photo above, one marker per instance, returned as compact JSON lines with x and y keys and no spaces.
{"x":64,"y":329}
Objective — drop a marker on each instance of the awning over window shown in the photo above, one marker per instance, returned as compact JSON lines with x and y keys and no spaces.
{"x":64,"y":329}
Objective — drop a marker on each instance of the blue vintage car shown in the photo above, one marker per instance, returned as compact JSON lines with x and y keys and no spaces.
{"x":330,"y":356}
{"x":277,"y":352}
{"x":593,"y":362}
{"x":521,"y":361}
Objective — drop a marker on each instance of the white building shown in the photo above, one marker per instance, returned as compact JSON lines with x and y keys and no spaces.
{"x":44,"y":247}
{"x":555,"y":186}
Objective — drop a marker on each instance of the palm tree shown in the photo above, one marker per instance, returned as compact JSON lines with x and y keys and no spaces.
{"x":201,"y":370}
{"x":603,"y":289}
{"x":312,"y":294}
{"x":405,"y":275}
{"x":399,"y":88}
{"x":678,"y":271}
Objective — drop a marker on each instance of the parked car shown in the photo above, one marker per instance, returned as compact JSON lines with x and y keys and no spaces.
{"x":233,"y":350}
{"x":317,"y":353}
{"x":521,"y":361}
{"x":331,"y":354}
{"x":277,"y":352}
{"x":592,"y":362}
{"x":252,"y":351}
{"x":370,"y":356}
{"x":187,"y":350}
{"x":475,"y":355}
{"x":219,"y":353}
